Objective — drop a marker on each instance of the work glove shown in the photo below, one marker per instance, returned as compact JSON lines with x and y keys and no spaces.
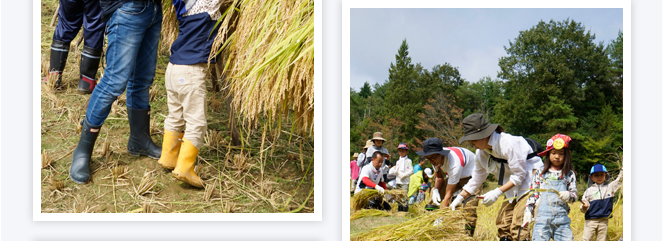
{"x":565,"y":196}
{"x":436,"y":197}
{"x":527,"y":218}
{"x":490,"y":197}
{"x":379,"y":189}
{"x":459,"y":199}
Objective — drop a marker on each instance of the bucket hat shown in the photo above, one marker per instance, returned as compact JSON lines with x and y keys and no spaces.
{"x":433,"y":146}
{"x":369,"y":143}
{"x":355,"y":155}
{"x":558,"y":141}
{"x":402,"y":146}
{"x":598,"y":168}
{"x":475,"y":127}
{"x":378,"y":136}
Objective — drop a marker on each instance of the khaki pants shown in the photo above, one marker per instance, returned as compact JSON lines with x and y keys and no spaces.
{"x":187,"y":106}
{"x":510,"y":218}
{"x":470,"y":209}
{"x":595,"y":226}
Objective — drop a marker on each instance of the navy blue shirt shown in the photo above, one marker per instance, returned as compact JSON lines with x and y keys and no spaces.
{"x":194,"y":41}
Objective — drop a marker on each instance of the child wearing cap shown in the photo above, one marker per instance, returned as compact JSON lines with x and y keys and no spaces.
{"x":458,"y":164}
{"x":418,"y":182}
{"x":552,"y":220}
{"x":403,"y":168}
{"x":354,"y":172}
{"x":512,"y":160}
{"x":597,"y":203}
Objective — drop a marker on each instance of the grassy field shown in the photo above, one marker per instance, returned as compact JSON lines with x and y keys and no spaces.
{"x":486,"y":229}
{"x":237,"y":178}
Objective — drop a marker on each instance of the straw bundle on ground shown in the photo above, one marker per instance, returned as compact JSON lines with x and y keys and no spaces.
{"x":360,"y":199}
{"x":421,"y":228}
{"x":269,"y":59}
{"x":369,"y":213}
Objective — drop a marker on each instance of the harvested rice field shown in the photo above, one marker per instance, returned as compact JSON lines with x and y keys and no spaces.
{"x":267,"y":168}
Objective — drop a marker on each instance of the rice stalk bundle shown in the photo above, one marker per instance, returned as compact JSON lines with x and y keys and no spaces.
{"x":269,"y":59}
{"x":120,"y":172}
{"x":421,"y":228}
{"x":46,"y":160}
{"x":146,"y":184}
{"x":369,"y":213}
{"x":360,"y":199}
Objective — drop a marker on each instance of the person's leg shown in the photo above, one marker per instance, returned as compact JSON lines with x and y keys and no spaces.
{"x":70,"y":19}
{"x":174,"y":123}
{"x":541,"y":230}
{"x":517,"y":220}
{"x":122,"y":42}
{"x":138,"y":86}
{"x":192,"y":89}
{"x":93,"y":31}
{"x":124,"y":31}
{"x":588,"y":232}
{"x":503,"y":221}
{"x":562,"y":228}
{"x":602,"y":229}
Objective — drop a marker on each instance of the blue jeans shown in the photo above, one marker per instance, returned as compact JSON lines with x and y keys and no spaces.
{"x":133,"y":33}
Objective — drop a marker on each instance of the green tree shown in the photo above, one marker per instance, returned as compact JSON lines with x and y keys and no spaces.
{"x":401,"y":102}
{"x":365,"y":90}
{"x":557,"y":59}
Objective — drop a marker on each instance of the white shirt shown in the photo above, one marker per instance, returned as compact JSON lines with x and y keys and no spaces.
{"x":369,"y":171}
{"x":454,"y":169}
{"x":514,"y":149}
{"x":369,"y":152}
{"x":403,"y":168}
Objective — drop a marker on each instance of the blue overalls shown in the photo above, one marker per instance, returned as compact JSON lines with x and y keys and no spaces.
{"x":552,"y":220}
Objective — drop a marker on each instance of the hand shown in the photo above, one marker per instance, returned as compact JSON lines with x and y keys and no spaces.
{"x":565,"y":196}
{"x":585,"y":205}
{"x":436,"y":197}
{"x":490,"y":197}
{"x":459,"y":199}
{"x":527,"y":218}
{"x":379,"y":189}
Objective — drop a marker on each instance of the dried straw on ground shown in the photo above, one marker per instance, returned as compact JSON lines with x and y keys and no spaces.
{"x":421,"y":228}
{"x":360,"y":199}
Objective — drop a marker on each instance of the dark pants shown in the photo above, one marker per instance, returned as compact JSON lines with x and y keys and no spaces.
{"x":76,"y":13}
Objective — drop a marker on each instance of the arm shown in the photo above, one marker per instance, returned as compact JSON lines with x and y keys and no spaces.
{"x":571,"y":187}
{"x":448,"y":194}
{"x":536,"y":183}
{"x":408,"y":169}
{"x":617,"y":183}
{"x":479,"y":175}
{"x":368,"y":182}
{"x":585,"y":202}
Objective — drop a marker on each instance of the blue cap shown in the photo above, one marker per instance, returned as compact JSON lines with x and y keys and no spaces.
{"x":598,"y":168}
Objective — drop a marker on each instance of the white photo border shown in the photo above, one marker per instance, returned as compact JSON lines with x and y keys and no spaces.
{"x":624,"y":5}
{"x":37,"y":215}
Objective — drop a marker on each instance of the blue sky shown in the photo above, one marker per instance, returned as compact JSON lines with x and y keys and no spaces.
{"x":470,"y":39}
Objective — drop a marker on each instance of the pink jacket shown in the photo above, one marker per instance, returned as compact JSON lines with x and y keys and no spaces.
{"x":354,"y":169}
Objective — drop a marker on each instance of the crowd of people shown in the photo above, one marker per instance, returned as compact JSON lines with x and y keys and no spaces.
{"x":538,"y":184}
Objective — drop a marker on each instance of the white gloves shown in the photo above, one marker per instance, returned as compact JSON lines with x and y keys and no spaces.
{"x":459,"y":199}
{"x":490,"y":197}
{"x":436,"y":197}
{"x":379,"y":189}
{"x":565,"y":196}
{"x":527,"y":218}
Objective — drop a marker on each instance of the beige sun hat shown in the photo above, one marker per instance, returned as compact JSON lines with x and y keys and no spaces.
{"x":369,"y":143}
{"x":355,"y":155}
{"x":378,"y":136}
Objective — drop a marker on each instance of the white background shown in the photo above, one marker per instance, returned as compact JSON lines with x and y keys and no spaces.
{"x":16,"y":143}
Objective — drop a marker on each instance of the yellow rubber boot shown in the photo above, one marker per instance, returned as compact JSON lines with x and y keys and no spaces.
{"x":170,"y":149}
{"x":184,"y":168}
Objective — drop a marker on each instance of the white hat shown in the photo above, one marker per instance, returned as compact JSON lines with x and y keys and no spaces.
{"x":428,"y":172}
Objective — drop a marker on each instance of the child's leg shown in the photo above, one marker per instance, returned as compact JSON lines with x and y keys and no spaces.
{"x":174,"y":121}
{"x":562,"y":230}
{"x":194,"y":98}
{"x":542,"y":230}
{"x":602,"y":229}
{"x":590,"y":229}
